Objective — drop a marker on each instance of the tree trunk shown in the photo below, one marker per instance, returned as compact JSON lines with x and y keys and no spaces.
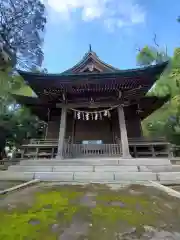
{"x":3,"y":135}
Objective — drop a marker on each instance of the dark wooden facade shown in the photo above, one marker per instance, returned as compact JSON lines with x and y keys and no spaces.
{"x":106,"y":129}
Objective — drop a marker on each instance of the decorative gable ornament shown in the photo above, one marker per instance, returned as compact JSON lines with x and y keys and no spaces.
{"x":91,"y":67}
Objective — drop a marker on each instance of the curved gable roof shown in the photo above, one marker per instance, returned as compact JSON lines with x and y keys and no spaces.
{"x":89,"y":60}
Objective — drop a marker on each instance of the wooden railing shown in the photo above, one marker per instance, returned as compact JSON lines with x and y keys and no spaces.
{"x":43,"y":141}
{"x":131,"y":141}
{"x":139,"y":147}
{"x":84,"y":150}
{"x":146,"y":140}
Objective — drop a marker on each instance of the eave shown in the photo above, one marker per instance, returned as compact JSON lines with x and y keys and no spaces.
{"x":35,"y":105}
{"x":75,"y":83}
{"x":150,"y":104}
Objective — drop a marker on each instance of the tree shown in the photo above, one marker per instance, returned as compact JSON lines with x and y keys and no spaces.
{"x":149,"y":55}
{"x":22,"y":24}
{"x":16,"y":122}
{"x":165,"y":121}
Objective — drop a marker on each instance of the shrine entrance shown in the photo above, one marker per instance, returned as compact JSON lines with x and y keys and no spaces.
{"x":93,"y":131}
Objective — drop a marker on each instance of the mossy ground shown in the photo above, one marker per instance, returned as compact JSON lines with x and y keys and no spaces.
{"x":91,"y":212}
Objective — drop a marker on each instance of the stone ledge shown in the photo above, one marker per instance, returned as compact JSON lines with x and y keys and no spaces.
{"x":144,"y":169}
{"x":169,"y":182}
{"x":136,"y":176}
{"x":72,"y":162}
{"x":163,"y":168}
{"x":104,"y":176}
{"x":73,"y":168}
{"x":145,"y":162}
{"x":168,"y":190}
{"x":20,"y":168}
{"x":168,"y":176}
{"x":54,"y":176}
{"x":116,"y":168}
{"x":16,"y":176}
{"x":20,"y":186}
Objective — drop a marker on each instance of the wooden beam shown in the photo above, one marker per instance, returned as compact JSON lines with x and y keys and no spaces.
{"x":86,"y":104}
{"x":107,"y":104}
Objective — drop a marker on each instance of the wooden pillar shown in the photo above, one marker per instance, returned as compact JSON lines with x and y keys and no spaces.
{"x":62,"y":132}
{"x":73,"y":130}
{"x":123,"y":133}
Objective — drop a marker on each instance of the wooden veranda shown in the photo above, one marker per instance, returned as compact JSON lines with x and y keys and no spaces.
{"x":141,"y":147}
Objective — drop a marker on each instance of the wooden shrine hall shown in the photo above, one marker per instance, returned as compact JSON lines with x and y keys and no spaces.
{"x":93,"y":109}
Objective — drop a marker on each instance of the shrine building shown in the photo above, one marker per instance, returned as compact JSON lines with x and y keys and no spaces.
{"x":93,"y":109}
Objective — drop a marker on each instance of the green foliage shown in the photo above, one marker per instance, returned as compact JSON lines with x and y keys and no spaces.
{"x":149,"y":55}
{"x":24,"y":91}
{"x":22,"y":25}
{"x":165,"y":122}
{"x":17,"y":121}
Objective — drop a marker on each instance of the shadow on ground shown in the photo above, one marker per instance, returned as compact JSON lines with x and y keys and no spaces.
{"x":92,"y":212}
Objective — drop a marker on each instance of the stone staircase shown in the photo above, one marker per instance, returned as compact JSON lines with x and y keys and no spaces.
{"x":98,"y":170}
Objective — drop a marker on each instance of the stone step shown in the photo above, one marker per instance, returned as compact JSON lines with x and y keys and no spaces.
{"x":111,"y":168}
{"x":95,"y":168}
{"x":70,"y":162}
{"x":19,"y":168}
{"x":79,"y":176}
{"x":100,"y":161}
{"x":96,"y":177}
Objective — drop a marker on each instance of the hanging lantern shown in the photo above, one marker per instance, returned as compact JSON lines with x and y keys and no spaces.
{"x":83,"y":116}
{"x":96,"y":116}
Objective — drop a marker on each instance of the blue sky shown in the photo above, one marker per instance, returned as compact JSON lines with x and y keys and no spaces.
{"x":114,"y":28}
